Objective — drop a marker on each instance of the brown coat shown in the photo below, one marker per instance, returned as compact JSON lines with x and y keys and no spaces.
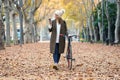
{"x":61,"y":39}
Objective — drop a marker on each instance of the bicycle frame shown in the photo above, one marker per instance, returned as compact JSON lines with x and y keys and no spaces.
{"x":69,"y":54}
{"x":70,"y":58}
{"x":69,"y":51}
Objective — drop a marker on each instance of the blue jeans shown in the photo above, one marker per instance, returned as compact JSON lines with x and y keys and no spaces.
{"x":56,"y":55}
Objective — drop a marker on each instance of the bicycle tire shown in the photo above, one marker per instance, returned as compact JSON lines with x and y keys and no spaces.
{"x":69,"y":58}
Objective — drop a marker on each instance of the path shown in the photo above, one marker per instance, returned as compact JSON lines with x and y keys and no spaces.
{"x":33,"y":62}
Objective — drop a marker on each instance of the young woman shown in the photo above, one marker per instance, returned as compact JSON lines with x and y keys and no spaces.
{"x":57,"y":42}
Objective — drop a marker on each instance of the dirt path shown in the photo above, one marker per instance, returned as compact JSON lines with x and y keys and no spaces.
{"x":33,"y":62}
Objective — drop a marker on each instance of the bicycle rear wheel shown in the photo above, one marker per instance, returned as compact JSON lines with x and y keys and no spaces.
{"x":69,"y":58}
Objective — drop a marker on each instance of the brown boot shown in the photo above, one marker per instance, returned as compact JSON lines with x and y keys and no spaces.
{"x":55,"y":67}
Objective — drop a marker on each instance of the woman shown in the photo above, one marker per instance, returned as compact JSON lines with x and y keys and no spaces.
{"x":57,"y":42}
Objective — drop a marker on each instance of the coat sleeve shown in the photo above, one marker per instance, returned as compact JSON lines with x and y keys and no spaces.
{"x":50,"y":27}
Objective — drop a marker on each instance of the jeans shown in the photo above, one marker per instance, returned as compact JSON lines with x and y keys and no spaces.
{"x":56,"y":55}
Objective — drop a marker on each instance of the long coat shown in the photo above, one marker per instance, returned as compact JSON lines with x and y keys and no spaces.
{"x":63,"y":31}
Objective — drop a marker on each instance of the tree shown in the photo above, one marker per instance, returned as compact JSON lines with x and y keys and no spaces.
{"x":102,"y":23}
{"x":30,"y":30}
{"x":13,"y":13}
{"x":117,"y":27}
{"x":1,"y":28}
{"x":15,"y":36}
{"x":95,"y":27}
{"x":7,"y":22}
{"x":109,"y":13}
{"x":19,"y":7}
{"x":88,"y":9}
{"x":34,"y":6}
{"x":109,"y":17}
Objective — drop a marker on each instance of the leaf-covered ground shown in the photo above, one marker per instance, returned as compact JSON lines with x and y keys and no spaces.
{"x":34,"y":62}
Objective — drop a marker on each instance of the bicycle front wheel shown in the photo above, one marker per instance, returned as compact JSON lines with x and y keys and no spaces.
{"x":69,"y":58}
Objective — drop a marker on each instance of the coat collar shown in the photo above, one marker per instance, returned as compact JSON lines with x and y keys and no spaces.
{"x":62,"y":21}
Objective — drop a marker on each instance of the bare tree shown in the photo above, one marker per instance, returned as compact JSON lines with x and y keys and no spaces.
{"x":117,"y":28}
{"x":30,"y":24}
{"x":15,"y":36}
{"x":34,"y":7}
{"x":88,"y":9}
{"x":102,"y":23}
{"x":1,"y":28}
{"x":13,"y":13}
{"x":7,"y":22}
{"x":109,"y":37}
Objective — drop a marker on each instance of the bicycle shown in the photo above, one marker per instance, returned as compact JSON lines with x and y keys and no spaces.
{"x":69,"y":56}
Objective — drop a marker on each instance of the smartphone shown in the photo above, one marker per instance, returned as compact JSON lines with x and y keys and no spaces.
{"x":50,"y":21}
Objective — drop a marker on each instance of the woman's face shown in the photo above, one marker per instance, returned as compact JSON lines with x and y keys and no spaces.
{"x":56,"y":16}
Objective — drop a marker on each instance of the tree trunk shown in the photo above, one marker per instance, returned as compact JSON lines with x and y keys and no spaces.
{"x":2,"y":32}
{"x":90,"y":28}
{"x":7,"y":21}
{"x":88,"y":11}
{"x":84,"y":33}
{"x":1,"y":28}
{"x":27,"y":32}
{"x":21,"y":27}
{"x":41,"y":30}
{"x":15,"y":38}
{"x":19,"y":7}
{"x":33,"y":8}
{"x":29,"y":28}
{"x":35,"y":32}
{"x":97,"y":32}
{"x":94,"y":30}
{"x":117,"y":28}
{"x":32,"y":25}
{"x":1,"y":35}
{"x":109,"y":23}
{"x":100,"y":27}
{"x":87,"y":33}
